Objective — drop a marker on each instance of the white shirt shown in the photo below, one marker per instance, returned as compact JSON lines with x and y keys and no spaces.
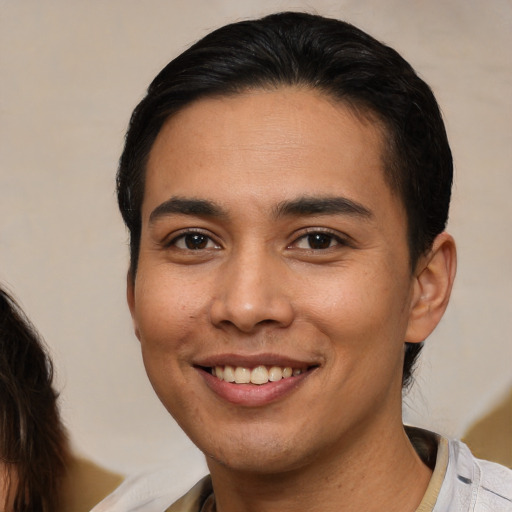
{"x":459,"y":483}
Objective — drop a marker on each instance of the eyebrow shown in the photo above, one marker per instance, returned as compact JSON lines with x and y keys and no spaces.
{"x":322,"y":206}
{"x":302,"y":206}
{"x":186,"y":206}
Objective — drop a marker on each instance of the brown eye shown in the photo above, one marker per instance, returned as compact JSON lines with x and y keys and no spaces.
{"x":194,"y":242}
{"x":319,"y":240}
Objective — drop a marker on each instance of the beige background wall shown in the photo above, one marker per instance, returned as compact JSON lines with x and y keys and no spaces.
{"x":71,"y":73}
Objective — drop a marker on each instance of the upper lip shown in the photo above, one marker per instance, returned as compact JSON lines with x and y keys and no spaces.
{"x":253,"y":360}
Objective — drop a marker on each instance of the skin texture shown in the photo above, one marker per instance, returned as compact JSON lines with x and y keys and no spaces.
{"x":281,"y":276}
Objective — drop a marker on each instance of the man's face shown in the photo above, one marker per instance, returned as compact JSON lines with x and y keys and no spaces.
{"x":271,"y":242}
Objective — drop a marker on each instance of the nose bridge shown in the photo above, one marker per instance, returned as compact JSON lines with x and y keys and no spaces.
{"x":251,"y":290}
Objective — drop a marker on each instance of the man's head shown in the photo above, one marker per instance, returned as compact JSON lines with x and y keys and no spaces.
{"x":285,"y":182}
{"x":332,"y":58}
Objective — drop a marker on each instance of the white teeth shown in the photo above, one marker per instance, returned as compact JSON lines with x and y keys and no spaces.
{"x":258,"y":375}
{"x":242,"y":375}
{"x":287,"y":372}
{"x":229,"y":373}
{"x":275,"y":373}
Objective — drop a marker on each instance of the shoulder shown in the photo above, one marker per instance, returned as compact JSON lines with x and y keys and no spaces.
{"x":495,"y":484}
{"x":194,"y":499}
{"x":475,"y":484}
{"x":152,"y":491}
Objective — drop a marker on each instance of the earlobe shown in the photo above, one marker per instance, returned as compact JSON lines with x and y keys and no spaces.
{"x":130,"y":298}
{"x":434,"y":278}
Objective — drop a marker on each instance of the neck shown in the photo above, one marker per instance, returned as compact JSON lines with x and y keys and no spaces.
{"x":385,"y":474}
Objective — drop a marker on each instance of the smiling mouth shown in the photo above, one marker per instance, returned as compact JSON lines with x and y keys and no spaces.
{"x":258,"y":375}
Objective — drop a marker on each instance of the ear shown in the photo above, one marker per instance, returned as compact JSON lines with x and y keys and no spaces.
{"x":130,"y":298}
{"x":434,"y":276}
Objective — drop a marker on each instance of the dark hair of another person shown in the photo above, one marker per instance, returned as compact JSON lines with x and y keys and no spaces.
{"x":33,"y":441}
{"x":310,"y":52}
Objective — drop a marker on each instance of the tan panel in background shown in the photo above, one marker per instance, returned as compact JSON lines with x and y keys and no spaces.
{"x":491,"y":437}
{"x":86,"y":485}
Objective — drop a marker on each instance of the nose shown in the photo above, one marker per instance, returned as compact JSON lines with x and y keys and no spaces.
{"x":251,"y":293}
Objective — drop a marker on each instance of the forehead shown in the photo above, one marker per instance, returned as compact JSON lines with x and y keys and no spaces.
{"x":268,"y":143}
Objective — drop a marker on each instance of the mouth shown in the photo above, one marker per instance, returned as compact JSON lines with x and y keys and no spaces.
{"x":254,"y":381}
{"x":258,"y":375}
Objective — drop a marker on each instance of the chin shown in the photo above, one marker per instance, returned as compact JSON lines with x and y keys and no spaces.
{"x":250,"y":455}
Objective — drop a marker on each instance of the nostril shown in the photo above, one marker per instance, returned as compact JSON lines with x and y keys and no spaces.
{"x":266,"y":322}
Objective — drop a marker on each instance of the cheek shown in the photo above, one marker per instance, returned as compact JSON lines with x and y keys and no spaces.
{"x":166,"y":312}
{"x":165,"y":319}
{"x":361,"y":308}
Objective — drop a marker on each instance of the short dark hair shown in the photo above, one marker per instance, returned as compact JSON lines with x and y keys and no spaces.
{"x":328,"y":55}
{"x":33,"y":441}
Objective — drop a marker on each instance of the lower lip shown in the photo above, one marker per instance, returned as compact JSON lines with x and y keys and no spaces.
{"x":253,"y":395}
